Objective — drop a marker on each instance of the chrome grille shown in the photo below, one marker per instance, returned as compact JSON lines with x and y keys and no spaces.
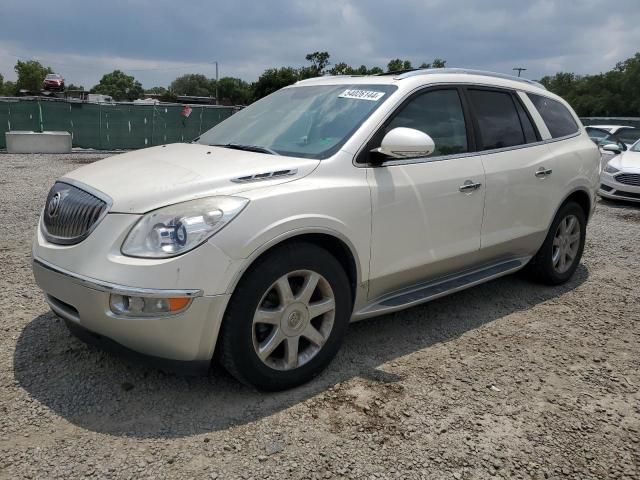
{"x":70,"y":214}
{"x":629,"y":179}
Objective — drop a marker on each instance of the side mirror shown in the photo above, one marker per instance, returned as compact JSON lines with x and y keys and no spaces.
{"x":612,"y":147}
{"x":404,"y":142}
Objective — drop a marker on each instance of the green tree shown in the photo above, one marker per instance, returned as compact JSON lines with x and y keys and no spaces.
{"x":119,"y":85}
{"x":156,"y":90}
{"x":319,"y":62}
{"x":193,"y":84}
{"x":30,"y":75}
{"x":613,"y":93}
{"x":437,"y":63}
{"x":234,"y":91}
{"x":8,"y":89}
{"x":341,"y":69}
{"x":397,"y":64}
{"x":274,"y":79}
{"x":71,"y":86}
{"x":344,"y":69}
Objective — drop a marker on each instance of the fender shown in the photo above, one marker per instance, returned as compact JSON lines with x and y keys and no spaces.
{"x":361,"y":283}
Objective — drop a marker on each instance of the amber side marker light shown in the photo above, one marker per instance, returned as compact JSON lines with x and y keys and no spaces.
{"x":147,"y":306}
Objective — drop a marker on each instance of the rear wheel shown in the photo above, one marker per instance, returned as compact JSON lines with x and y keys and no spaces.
{"x":287,"y":318}
{"x":560,"y":254}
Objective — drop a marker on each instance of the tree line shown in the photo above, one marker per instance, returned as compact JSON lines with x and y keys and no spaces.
{"x":230,"y":90}
{"x":613,"y":93}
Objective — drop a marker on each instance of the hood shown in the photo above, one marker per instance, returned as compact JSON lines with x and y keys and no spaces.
{"x":151,"y":178}
{"x":628,"y":161}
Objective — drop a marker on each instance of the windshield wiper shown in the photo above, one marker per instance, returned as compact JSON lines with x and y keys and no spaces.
{"x":247,"y":148}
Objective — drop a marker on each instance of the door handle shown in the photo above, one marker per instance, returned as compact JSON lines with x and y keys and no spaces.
{"x":543,"y":172}
{"x":469,"y":186}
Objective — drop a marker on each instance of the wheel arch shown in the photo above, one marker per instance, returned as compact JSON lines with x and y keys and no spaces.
{"x":581,"y":197}
{"x":332,"y":241}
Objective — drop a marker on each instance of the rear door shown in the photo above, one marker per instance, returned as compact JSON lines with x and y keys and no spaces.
{"x":521,"y":190}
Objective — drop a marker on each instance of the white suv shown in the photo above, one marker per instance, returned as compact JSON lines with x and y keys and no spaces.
{"x":330,"y":201}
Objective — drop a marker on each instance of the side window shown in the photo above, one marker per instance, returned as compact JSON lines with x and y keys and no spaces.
{"x":439,"y":114}
{"x":558,"y":119}
{"x":530,"y":133}
{"x":628,"y":135}
{"x":499,"y":123}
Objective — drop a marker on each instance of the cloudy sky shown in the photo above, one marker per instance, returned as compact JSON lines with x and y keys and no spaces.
{"x":157,"y":40}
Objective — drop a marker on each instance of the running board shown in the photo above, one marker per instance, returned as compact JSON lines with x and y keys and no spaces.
{"x":426,"y":292}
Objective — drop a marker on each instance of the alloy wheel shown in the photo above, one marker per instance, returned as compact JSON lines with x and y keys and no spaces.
{"x":294,"y":319}
{"x":566,"y":244}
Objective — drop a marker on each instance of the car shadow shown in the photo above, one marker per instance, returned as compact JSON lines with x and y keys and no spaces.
{"x":106,"y":394}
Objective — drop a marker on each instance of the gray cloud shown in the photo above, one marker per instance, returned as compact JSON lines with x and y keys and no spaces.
{"x":157,"y":40}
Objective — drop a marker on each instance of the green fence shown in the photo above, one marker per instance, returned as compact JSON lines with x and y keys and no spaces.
{"x":110,"y":126}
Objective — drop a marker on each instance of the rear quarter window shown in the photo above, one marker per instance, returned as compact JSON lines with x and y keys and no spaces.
{"x":556,"y":116}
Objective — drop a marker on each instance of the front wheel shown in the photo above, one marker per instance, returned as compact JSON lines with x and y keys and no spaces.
{"x":560,"y":254}
{"x":287,"y":318}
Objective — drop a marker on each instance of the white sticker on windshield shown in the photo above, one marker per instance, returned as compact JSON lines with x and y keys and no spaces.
{"x":362,"y":95}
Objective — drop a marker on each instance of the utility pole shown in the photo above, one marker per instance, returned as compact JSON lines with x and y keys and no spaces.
{"x":519,"y":70}
{"x":216,"y":62}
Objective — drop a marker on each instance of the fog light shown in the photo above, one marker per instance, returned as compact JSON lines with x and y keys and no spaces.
{"x":147,"y":306}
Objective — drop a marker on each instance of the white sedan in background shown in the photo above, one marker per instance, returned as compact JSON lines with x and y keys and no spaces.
{"x":620,"y":178}
{"x":629,"y":135}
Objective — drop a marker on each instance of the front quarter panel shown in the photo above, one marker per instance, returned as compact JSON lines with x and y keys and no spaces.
{"x":334,"y":199}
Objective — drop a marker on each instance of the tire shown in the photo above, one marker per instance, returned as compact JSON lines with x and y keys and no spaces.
{"x":547,"y":266}
{"x":266,"y":322}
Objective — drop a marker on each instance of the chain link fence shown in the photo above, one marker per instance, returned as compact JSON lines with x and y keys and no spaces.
{"x":106,"y":126}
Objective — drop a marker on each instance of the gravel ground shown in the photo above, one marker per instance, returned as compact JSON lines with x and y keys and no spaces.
{"x":508,"y":380}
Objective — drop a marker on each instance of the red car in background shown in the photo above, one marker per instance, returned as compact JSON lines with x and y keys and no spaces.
{"x":53,"y":81}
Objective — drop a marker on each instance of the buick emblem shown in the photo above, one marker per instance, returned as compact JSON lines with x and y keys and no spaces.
{"x":54,"y":205}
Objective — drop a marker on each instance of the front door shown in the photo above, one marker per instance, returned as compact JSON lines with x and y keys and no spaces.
{"x":427,"y":212}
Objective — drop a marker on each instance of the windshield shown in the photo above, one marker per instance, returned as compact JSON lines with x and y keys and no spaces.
{"x":309,"y":121}
{"x":628,"y":134}
{"x":636,"y":147}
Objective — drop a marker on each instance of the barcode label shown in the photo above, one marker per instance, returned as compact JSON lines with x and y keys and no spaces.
{"x":362,"y":95}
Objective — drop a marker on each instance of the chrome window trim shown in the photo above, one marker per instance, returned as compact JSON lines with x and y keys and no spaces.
{"x":410,"y":161}
{"x":109,"y":287}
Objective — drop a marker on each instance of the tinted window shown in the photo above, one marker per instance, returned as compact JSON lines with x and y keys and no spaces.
{"x":628,"y":135}
{"x":558,"y":119}
{"x":439,"y":114}
{"x":498,"y":119}
{"x":596,"y":134}
{"x":530,"y":133}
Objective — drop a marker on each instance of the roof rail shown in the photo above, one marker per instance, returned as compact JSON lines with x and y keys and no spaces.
{"x":432,"y":71}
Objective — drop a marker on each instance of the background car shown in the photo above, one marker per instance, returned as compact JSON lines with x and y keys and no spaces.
{"x":620,"y":178}
{"x":53,"y":81}
{"x":602,"y":138}
{"x":629,"y":135}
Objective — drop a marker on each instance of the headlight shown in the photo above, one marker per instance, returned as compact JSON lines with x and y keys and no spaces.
{"x":610,"y":169}
{"x":176,"y":229}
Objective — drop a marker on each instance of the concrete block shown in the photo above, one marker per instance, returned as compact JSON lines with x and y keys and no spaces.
{"x":38,"y":142}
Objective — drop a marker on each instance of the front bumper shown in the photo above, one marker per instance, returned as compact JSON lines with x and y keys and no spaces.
{"x":83,"y":302}
{"x":610,"y":188}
